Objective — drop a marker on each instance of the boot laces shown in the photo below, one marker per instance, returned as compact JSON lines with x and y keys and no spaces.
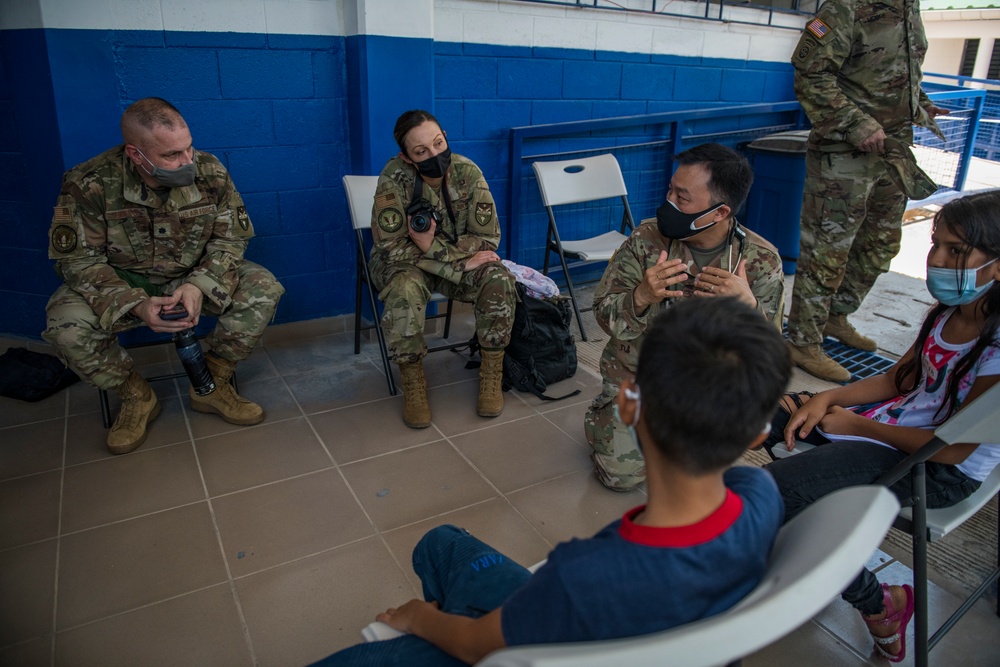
{"x":413,"y":387}
{"x":491,"y":378}
{"x":130,"y":414}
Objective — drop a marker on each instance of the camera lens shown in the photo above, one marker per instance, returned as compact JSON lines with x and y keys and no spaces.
{"x":420,"y":222}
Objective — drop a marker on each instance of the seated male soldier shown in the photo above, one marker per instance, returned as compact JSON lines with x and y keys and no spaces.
{"x":148,"y":229}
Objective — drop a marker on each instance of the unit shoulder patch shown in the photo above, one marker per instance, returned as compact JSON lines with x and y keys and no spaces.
{"x":804,"y":49}
{"x":63,"y":238}
{"x":484,"y":213}
{"x":390,"y":220}
{"x":243,"y":217}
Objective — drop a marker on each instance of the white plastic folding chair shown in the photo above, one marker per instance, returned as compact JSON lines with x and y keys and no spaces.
{"x":576,"y":181}
{"x":977,"y":422}
{"x":360,"y":199}
{"x":816,"y":555}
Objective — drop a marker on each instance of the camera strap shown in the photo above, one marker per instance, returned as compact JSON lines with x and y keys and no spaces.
{"x":418,"y":194}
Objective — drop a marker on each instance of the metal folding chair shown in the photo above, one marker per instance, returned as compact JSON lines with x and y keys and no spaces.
{"x":360,"y":198}
{"x":573,"y":182}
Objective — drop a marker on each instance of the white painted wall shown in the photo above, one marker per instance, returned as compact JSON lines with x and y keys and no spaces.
{"x":508,"y":23}
{"x":947,"y":31}
{"x":944,"y":55}
{"x":294,"y":17}
{"x":500,"y":22}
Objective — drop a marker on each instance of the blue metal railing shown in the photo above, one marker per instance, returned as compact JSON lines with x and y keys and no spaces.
{"x":987,"y":143}
{"x":644,"y":146}
{"x":947,"y":162}
{"x":732,"y":11}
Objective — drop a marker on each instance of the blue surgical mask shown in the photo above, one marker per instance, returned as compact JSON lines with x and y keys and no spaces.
{"x":181,"y":177}
{"x":956,"y":288}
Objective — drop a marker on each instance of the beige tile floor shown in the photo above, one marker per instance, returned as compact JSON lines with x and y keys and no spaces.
{"x":275,"y":544}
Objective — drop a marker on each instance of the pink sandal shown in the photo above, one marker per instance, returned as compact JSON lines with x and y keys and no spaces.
{"x":902,"y":616}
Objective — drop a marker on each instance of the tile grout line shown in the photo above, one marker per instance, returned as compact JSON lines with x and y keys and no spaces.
{"x":379,"y":533}
{"x":146,"y":605}
{"x":336,"y":466}
{"x":495,"y":488}
{"x":218,"y":538}
{"x":371,"y":522}
{"x":62,"y":490}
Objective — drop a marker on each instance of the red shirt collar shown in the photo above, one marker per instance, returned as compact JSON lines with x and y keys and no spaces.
{"x":691,"y":535}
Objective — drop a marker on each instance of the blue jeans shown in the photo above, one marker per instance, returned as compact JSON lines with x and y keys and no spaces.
{"x":464,"y":575}
{"x":805,"y":478}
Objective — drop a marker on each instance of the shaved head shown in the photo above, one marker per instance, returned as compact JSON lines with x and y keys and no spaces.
{"x":145,"y":115}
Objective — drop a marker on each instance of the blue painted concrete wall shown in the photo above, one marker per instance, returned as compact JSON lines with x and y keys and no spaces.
{"x":482,"y":91}
{"x":270,"y":107}
{"x":289,"y":115}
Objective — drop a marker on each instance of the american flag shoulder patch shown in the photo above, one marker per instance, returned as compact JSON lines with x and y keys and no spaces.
{"x":818,"y":28}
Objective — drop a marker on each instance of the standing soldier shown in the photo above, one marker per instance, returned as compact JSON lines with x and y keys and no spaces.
{"x":152,"y":233}
{"x":453,"y":253}
{"x":857,"y":75}
{"x":695,"y":248}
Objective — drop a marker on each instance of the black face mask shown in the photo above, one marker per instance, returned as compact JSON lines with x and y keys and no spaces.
{"x":675,"y":224}
{"x":435,"y":166}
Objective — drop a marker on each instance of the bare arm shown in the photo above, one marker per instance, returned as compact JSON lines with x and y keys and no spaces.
{"x":829,"y":413}
{"x":869,"y":390}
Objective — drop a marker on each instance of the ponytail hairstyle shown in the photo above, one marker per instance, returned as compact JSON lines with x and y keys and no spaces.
{"x":976,"y":220}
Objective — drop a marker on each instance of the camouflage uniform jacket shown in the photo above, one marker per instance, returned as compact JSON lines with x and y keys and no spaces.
{"x":614,"y":307}
{"x":106,"y":218}
{"x":475,"y":226}
{"x":857,"y":69}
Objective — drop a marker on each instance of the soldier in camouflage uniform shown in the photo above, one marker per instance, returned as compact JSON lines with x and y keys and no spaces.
{"x":455,"y":256}
{"x":857,"y":75}
{"x":695,"y":248}
{"x":142,"y":229}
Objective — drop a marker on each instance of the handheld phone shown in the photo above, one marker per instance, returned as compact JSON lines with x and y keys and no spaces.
{"x":176,"y":314}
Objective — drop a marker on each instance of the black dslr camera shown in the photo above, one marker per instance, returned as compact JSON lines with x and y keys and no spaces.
{"x":421,"y":215}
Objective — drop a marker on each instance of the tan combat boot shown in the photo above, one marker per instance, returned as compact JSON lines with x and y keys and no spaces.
{"x":416,"y":411}
{"x":813,"y":360}
{"x":490,"y":403}
{"x":838,"y":327}
{"x":139,"y":407}
{"x":224,"y":401}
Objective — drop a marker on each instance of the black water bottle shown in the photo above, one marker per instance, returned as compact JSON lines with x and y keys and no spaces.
{"x":194,"y":362}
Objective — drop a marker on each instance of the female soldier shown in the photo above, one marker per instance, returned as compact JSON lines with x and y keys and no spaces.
{"x":435,"y":228}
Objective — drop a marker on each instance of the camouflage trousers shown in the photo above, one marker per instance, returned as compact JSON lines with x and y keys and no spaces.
{"x":852,"y":217}
{"x":618,"y":463}
{"x":405,"y":291}
{"x":95,"y":354}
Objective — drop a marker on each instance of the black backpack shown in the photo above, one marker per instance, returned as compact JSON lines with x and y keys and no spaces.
{"x":542,"y":350}
{"x":32,"y":376}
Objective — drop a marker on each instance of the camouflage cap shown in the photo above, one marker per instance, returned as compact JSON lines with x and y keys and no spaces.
{"x":904,"y":171}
